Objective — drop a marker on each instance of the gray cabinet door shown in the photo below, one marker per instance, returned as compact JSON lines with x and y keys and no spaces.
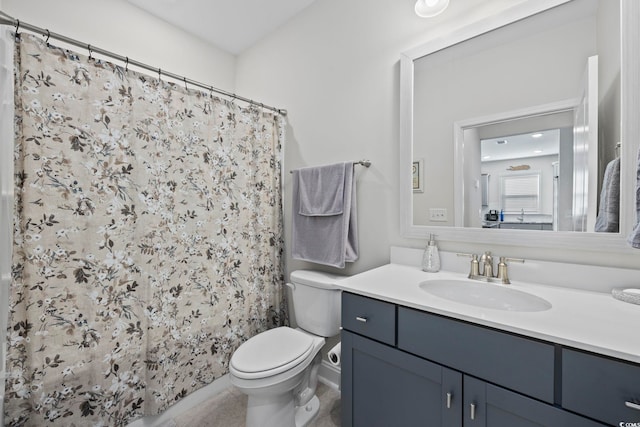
{"x":382,"y":387}
{"x":486,"y":405}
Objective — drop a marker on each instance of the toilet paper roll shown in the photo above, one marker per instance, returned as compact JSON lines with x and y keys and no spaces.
{"x":334,"y":355}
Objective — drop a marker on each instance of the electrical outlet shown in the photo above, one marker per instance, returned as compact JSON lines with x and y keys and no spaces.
{"x":438,"y":214}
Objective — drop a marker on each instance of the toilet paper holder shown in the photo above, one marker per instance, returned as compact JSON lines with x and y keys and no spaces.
{"x":334,"y":354}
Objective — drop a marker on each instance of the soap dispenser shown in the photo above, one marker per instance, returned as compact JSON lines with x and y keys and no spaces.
{"x":431,"y":257}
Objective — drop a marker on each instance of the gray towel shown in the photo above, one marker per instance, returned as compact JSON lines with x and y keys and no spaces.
{"x":322,"y":238}
{"x":321,"y":190}
{"x":634,"y":237}
{"x":608,"y":219}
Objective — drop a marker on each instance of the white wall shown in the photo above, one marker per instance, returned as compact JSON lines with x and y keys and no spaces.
{"x":335,"y":67}
{"x":122,"y":28}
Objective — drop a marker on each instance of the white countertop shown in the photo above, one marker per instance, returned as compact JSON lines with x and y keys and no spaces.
{"x":592,"y":321}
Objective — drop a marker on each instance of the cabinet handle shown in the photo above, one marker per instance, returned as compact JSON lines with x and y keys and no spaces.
{"x":632,"y":405}
{"x":449,"y":397}
{"x":473,"y":411}
{"x":361,"y":319}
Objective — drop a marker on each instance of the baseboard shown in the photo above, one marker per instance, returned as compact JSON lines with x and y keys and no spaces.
{"x":329,"y":375}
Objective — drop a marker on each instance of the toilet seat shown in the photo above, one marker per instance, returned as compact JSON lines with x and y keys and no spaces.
{"x":271,"y":352}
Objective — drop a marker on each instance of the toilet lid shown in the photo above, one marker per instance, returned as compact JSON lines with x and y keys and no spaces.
{"x":272,"y":351}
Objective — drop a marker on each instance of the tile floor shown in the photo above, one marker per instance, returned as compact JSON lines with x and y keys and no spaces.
{"x":228,"y":410}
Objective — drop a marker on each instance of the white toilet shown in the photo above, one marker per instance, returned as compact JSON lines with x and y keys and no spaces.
{"x":278,"y":369}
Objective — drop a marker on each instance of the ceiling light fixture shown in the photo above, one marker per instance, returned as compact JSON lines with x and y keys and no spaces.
{"x":430,"y":8}
{"x":536,"y":135}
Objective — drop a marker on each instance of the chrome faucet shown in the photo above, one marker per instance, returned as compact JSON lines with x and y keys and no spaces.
{"x":486,"y":261}
{"x":521,"y":217}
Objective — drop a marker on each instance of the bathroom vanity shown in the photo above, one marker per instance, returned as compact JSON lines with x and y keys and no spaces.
{"x":410,"y":358}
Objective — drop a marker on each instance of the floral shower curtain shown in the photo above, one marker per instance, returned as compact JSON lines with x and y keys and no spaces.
{"x":147,"y":239}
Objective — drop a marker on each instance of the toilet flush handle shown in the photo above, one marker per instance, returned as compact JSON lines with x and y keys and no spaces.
{"x":291,"y":285}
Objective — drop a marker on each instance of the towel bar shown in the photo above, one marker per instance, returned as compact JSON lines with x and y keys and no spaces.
{"x":365,"y":163}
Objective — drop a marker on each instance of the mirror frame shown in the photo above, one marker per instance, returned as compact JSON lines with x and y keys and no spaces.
{"x":630,"y":138}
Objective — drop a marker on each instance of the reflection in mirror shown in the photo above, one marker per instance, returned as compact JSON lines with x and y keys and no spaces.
{"x":519,"y":177}
{"x":550,"y":79}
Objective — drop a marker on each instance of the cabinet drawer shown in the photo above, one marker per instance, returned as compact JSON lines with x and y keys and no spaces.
{"x":599,"y":388}
{"x":369,"y":317}
{"x":517,"y":363}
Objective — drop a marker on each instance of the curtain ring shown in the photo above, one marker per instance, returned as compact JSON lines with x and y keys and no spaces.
{"x":211,"y":92}
{"x":17,"y":29}
{"x":48,"y":36}
{"x":184,"y":79}
{"x":90,"y":52}
{"x":159,"y":74}
{"x":126,"y":64}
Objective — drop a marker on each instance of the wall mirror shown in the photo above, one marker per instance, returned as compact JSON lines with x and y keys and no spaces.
{"x":513,"y":121}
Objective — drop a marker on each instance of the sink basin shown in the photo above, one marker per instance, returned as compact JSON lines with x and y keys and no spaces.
{"x":497,"y":297}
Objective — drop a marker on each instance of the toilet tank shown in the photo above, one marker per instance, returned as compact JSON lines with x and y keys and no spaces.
{"x":316,"y":301}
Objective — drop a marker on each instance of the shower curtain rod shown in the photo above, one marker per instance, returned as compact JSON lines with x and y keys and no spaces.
{"x":8,"y":20}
